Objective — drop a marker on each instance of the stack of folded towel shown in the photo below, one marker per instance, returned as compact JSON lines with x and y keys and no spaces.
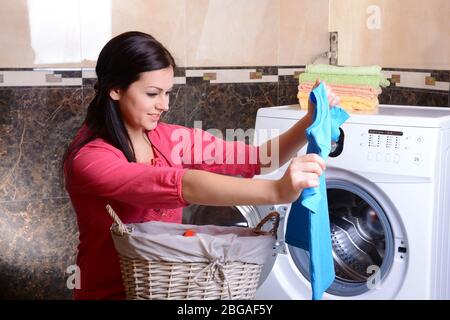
{"x":357,"y":87}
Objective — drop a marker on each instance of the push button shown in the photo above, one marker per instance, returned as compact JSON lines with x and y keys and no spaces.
{"x":387,"y":158}
{"x":417,"y":159}
{"x":396,"y":158}
{"x":379,"y":157}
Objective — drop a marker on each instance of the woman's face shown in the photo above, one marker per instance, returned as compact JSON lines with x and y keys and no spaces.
{"x":142,"y":104}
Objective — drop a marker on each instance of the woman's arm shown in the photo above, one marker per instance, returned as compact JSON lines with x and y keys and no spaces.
{"x":289,"y":143}
{"x":99,"y":169}
{"x":206,"y":188}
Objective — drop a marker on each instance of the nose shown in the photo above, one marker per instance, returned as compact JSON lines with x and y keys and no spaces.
{"x":163,"y":103}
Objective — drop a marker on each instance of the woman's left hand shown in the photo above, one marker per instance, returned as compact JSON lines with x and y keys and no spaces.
{"x":333,"y":99}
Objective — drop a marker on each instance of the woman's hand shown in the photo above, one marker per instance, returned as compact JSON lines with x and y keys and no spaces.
{"x":303,"y":172}
{"x":333,"y":99}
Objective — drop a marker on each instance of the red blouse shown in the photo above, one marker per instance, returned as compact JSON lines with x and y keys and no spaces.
{"x":100,"y":174}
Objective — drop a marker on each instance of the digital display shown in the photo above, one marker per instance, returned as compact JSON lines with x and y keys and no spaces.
{"x":386,"y":132}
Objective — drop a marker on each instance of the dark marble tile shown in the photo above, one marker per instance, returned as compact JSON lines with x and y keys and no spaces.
{"x":89,"y":82}
{"x":176,"y":113}
{"x":253,"y":97}
{"x":33,"y":136}
{"x":287,"y":94}
{"x":413,"y":97}
{"x":288,"y":80}
{"x":179,"y":72}
{"x":88,"y":94}
{"x":228,"y":106}
{"x":38,"y":241}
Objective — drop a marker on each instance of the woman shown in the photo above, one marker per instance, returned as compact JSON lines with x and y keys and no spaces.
{"x":124,"y":156}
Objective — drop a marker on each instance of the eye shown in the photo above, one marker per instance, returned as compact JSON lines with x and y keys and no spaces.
{"x":150,"y":94}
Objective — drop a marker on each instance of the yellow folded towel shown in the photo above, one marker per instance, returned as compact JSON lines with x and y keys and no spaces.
{"x":350,"y":104}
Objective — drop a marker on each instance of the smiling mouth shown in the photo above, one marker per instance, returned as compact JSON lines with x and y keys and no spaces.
{"x":154,"y":116}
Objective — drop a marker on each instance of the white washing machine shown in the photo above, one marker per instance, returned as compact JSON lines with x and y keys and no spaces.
{"x":389,"y":204}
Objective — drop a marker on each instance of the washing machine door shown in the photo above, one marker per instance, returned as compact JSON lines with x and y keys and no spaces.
{"x":239,"y":216}
{"x":361,"y":233}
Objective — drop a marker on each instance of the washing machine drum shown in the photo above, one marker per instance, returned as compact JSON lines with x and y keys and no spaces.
{"x":361,"y":235}
{"x":357,"y":234}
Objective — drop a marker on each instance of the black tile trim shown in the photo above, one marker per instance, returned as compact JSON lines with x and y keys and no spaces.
{"x":67,"y":86}
{"x":439,"y":75}
{"x":223,"y":68}
{"x":69,"y":74}
{"x":74,"y":73}
{"x":414,"y":70}
{"x":245,"y":67}
{"x":395,"y":88}
{"x":16,"y":69}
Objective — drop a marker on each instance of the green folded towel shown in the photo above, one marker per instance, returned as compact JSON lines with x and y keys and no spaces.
{"x":329,"y":69}
{"x":371,"y":81}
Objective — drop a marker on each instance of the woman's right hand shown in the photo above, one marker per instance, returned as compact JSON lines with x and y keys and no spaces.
{"x":303,"y":172}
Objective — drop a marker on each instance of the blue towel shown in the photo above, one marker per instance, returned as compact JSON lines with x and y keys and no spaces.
{"x":308,"y":225}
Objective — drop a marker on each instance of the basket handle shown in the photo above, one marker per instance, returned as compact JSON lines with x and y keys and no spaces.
{"x":273,"y":231}
{"x":122,"y":228}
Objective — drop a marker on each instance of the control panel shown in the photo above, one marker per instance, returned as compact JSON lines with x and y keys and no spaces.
{"x":404,"y":151}
{"x":380,"y":149}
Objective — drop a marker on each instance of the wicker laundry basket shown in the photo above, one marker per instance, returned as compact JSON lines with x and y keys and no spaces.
{"x":151,"y":275}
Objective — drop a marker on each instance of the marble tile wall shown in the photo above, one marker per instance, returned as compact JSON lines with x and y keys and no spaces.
{"x":37,"y":226}
{"x":38,"y":230}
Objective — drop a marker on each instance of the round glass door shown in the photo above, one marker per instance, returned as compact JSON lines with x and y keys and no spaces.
{"x":238,"y":216}
{"x":362,"y":239}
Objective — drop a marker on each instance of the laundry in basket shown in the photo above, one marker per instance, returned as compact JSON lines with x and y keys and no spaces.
{"x":159,"y":262}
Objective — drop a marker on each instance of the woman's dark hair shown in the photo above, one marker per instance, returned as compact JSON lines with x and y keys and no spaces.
{"x":119,"y":64}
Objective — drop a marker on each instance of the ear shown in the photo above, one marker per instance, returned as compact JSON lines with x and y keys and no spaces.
{"x":115,"y":94}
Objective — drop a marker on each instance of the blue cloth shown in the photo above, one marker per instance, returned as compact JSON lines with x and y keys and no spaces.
{"x":308,"y":225}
